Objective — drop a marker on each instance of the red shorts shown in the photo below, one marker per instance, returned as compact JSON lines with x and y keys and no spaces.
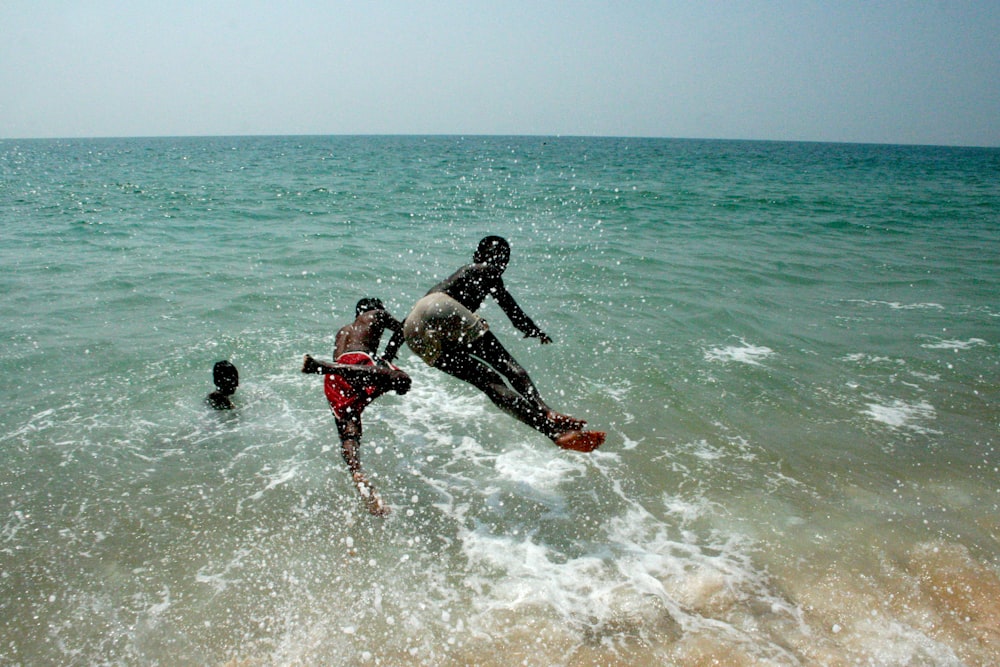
{"x":345,"y":400}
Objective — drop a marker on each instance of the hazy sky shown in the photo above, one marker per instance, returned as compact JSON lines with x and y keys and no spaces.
{"x":872,"y":71}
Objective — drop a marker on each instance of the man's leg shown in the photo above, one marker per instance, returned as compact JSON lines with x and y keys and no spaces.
{"x":360,"y":376}
{"x":489,"y":348}
{"x":460,"y":364}
{"x":349,"y":430}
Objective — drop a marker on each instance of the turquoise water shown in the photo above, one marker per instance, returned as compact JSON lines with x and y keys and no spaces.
{"x":792,"y":347}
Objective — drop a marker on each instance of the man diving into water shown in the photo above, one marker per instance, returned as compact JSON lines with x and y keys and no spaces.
{"x":356,"y":379}
{"x":444,"y":330}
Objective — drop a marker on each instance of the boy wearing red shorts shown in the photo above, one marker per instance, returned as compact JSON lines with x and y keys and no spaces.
{"x":356,"y":378}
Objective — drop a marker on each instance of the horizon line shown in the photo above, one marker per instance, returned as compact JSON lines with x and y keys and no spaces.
{"x":463,"y":135}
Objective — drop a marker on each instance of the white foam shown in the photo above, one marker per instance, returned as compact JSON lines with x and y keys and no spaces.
{"x":275,"y":479}
{"x":628,"y":443}
{"x":706,"y":583}
{"x":861,"y":357}
{"x":955,"y":344}
{"x":684,"y":509}
{"x":537,"y":576}
{"x":646,"y":580}
{"x":436,"y":403}
{"x":891,"y":642}
{"x":734,"y":447}
{"x":222,"y":579}
{"x":896,"y":305}
{"x":15,"y":523}
{"x":537,"y":468}
{"x":899,"y":414}
{"x":745,"y":353}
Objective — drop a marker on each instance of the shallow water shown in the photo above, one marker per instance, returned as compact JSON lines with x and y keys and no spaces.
{"x":793,"y":348}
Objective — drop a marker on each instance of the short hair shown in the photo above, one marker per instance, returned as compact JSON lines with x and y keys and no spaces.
{"x":493,"y":250}
{"x":226,"y":377}
{"x":364,"y":305}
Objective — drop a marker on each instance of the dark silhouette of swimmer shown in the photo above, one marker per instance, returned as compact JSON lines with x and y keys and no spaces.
{"x":444,"y":330}
{"x":356,"y":378}
{"x":226,"y":379}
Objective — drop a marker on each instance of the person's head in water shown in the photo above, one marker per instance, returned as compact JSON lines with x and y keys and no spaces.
{"x":368,"y":304}
{"x":226,"y":379}
{"x":494,"y":251}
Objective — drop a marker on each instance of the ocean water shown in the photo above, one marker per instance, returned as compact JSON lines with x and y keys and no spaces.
{"x":793,"y":348}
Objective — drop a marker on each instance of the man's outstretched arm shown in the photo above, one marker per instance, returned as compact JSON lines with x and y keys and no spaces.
{"x":518,"y":317}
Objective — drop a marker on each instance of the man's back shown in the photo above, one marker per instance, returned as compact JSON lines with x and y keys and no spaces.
{"x":361,"y":335}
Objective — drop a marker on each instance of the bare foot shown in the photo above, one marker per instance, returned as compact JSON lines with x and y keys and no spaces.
{"x":565,"y":422}
{"x":373,"y":502}
{"x":580,"y":441}
{"x":376,"y":507}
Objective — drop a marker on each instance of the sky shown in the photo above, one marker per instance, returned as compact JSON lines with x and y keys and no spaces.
{"x":908,"y":72}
